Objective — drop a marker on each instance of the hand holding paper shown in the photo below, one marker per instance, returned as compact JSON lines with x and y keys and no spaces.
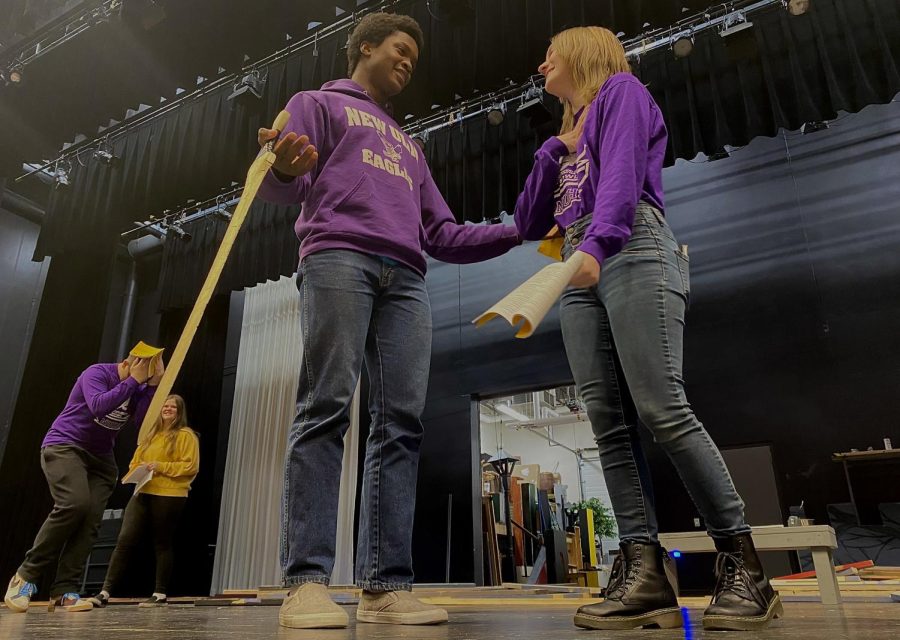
{"x":139,"y":476}
{"x":588,"y":273}
{"x":527,"y":305}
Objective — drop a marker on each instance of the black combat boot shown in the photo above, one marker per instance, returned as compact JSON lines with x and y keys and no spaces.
{"x":638,"y":595}
{"x":743,"y":600}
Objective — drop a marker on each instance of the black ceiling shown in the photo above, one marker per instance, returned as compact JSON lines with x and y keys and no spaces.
{"x":159,"y":46}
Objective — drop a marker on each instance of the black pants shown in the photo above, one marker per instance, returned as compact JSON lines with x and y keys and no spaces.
{"x":146,"y":515}
{"x":80,"y":484}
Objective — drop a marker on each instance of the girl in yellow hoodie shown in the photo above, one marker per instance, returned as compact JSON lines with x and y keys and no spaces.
{"x":172,"y":451}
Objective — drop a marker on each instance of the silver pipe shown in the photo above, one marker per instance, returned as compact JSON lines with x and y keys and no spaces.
{"x":22,"y":206}
{"x":127,"y":312}
{"x":581,"y":477}
{"x":157,"y":229}
{"x":555,"y":442}
{"x":665,"y":37}
{"x":44,"y":174}
{"x":145,"y":245}
{"x":449,"y":533}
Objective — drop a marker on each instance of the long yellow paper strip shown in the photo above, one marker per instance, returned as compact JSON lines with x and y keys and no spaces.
{"x":255,"y":176}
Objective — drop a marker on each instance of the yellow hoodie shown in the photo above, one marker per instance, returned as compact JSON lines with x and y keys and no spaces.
{"x":174,"y":472}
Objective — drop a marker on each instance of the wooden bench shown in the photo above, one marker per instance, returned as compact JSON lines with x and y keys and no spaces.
{"x":819,"y":539}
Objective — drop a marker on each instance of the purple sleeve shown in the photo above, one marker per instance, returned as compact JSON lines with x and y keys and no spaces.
{"x":99,"y":397}
{"x":448,"y":241}
{"x":535,"y":206}
{"x":144,"y":397}
{"x":617,"y":134}
{"x":307,"y":118}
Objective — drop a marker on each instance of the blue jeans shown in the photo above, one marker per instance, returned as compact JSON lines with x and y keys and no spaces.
{"x":624,"y":340}
{"x":357,"y":308}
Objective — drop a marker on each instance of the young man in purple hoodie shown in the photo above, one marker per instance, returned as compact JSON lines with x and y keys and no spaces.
{"x":77,"y":458}
{"x":369,"y":210}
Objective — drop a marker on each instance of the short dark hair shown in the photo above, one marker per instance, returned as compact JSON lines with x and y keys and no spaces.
{"x":374,"y":28}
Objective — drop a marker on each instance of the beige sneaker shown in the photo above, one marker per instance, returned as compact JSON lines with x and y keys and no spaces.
{"x":397,"y":607}
{"x":310,"y":607}
{"x":70,"y":602}
{"x":19,"y":594}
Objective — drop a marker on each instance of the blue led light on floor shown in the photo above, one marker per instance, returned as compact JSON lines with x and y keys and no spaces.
{"x":676,"y":554}
{"x":686,"y":621}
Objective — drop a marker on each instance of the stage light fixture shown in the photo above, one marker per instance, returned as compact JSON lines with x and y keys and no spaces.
{"x":496,"y":115}
{"x":251,"y":85}
{"x":683,"y":46}
{"x":11,"y":75}
{"x":533,"y":108}
{"x":104,"y":153}
{"x":222,"y":213}
{"x":179,"y":232}
{"x":813,"y":127}
{"x":421,"y":139}
{"x":797,"y":7}
{"x":62,"y":170}
{"x":735,"y":22}
{"x":634,"y":62}
{"x":104,"y":156}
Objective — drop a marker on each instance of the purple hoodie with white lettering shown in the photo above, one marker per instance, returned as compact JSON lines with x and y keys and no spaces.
{"x":617,"y":164}
{"x":371,"y":190}
{"x":99,"y":405}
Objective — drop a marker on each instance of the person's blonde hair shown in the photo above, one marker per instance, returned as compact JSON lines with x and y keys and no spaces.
{"x":592,"y":54}
{"x":170,"y":433}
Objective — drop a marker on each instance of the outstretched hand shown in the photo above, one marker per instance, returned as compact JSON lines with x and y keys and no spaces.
{"x":294,"y":155}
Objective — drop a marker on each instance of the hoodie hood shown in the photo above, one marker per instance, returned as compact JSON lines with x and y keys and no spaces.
{"x":353,"y":89}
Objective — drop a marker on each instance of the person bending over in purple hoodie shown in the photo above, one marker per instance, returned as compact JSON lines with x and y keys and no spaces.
{"x":370,"y":209}
{"x":77,"y":458}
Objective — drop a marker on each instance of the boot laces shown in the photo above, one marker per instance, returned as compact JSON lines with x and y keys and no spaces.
{"x":622,"y":576}
{"x":732,"y":577}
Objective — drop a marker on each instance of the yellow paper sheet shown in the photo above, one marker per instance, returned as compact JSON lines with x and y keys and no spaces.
{"x":144,"y":350}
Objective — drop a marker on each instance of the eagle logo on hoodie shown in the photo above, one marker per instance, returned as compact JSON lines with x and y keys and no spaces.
{"x":390,"y":150}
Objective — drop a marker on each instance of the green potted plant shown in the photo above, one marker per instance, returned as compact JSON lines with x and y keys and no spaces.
{"x":604,"y":522}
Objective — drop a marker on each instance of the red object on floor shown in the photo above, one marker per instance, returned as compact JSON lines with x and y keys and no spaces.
{"x":838,"y":569}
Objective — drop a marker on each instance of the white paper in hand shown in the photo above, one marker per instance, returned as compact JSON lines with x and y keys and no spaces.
{"x":526,"y":305}
{"x":139,"y":476}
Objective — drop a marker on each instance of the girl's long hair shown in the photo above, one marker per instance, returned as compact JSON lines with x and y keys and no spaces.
{"x":592,"y":54}
{"x":170,"y":432}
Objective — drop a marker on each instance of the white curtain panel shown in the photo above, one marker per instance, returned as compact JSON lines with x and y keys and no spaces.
{"x":265,"y":396}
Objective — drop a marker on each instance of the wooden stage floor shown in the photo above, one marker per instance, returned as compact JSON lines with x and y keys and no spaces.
{"x":471,"y":618}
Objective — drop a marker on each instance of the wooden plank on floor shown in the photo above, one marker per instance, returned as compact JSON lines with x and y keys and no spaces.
{"x":880,"y":573}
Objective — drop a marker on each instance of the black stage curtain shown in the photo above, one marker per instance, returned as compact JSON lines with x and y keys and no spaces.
{"x":68,"y":329}
{"x":127,"y":62}
{"x":842,"y":55}
{"x":265,"y":248}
